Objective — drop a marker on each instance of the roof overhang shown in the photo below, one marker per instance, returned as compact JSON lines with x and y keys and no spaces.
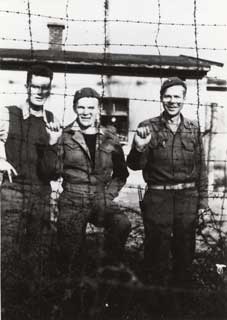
{"x":109,"y":64}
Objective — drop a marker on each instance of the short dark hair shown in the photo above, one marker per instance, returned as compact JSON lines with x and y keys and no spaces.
{"x":170,"y":82}
{"x":39,"y":70}
{"x":85,"y":93}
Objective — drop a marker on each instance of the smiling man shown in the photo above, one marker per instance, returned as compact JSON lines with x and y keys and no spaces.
{"x":170,"y":152}
{"x":90,"y":159}
{"x":87,"y":111}
{"x":25,"y":191}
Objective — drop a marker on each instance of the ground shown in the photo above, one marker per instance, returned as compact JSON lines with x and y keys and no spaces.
{"x":118,"y":292}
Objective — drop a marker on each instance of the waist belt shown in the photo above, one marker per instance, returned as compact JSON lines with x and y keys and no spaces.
{"x":178,"y":186}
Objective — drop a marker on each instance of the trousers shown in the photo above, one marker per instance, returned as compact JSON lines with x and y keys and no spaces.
{"x":24,"y":239}
{"x":76,"y":209}
{"x":169,"y":218}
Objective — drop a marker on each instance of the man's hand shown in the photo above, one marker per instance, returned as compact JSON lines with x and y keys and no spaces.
{"x":55,"y":131}
{"x":102,"y":207}
{"x":142,"y":137}
{"x":203,"y":211}
{"x":5,"y":166}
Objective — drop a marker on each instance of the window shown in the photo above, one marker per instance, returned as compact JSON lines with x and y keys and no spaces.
{"x":115,"y":113}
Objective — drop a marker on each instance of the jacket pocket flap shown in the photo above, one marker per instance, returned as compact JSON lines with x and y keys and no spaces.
{"x":188,"y":145}
{"x":158,"y":141}
{"x":71,"y":145}
{"x":106,"y":148}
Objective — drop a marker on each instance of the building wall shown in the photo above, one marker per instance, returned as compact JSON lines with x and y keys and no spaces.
{"x":134,"y":88}
{"x":148,"y":89}
{"x":12,"y":85}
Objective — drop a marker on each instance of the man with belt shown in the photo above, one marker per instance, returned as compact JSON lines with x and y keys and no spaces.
{"x":169,"y":150}
{"x":25,"y":190}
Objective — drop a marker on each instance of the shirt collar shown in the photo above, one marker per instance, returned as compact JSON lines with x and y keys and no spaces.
{"x":187,"y":123}
{"x":25,"y":108}
{"x":74,"y":126}
{"x":183,"y":120}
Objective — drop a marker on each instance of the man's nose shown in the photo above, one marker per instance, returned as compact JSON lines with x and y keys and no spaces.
{"x":39,"y":90}
{"x":86,"y":111}
{"x":172,"y":99}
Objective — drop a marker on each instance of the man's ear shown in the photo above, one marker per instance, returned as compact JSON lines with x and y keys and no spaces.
{"x":27,"y":89}
{"x":49,"y":91}
{"x":48,"y":94}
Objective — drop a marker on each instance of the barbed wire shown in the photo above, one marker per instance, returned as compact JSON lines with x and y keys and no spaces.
{"x":106,"y":45}
{"x":156,"y":39}
{"x":30,"y":28}
{"x":129,"y":98}
{"x":64,"y":53}
{"x":145,"y":45}
{"x":116,"y":20}
{"x":158,"y":29}
{"x":198,"y":92}
{"x":225,"y":190}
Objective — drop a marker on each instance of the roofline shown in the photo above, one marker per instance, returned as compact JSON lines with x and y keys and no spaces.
{"x":111,"y":64}
{"x":214,"y":63}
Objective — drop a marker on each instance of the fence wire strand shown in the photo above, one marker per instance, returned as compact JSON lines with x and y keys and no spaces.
{"x":142,"y":45}
{"x":116,"y":20}
{"x":215,"y":219}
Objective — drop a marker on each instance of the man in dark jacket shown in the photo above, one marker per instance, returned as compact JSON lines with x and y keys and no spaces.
{"x":91,"y":161}
{"x":25,"y":191}
{"x":170,"y":152}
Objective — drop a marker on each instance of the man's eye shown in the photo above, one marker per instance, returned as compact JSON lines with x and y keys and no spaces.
{"x":40,"y":88}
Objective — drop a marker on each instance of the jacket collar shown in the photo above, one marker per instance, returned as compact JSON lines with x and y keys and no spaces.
{"x":184,"y":121}
{"x":187,"y":123}
{"x":25,"y":108}
{"x":77,"y":136}
{"x":74,"y":127}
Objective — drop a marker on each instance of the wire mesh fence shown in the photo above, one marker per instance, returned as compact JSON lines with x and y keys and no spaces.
{"x":109,"y":291}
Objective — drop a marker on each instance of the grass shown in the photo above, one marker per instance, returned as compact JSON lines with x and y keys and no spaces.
{"x":116,"y":292}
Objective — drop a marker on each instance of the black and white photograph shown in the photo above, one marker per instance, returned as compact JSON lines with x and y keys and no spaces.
{"x":113,"y":159}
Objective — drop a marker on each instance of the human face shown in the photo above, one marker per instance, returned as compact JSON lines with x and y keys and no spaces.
{"x":87,"y":110}
{"x":173,"y":101}
{"x":38,"y":90}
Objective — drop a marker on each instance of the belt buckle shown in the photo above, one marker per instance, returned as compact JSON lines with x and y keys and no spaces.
{"x":178,"y":186}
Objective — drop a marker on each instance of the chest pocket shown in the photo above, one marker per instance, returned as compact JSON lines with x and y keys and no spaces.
{"x":158,"y":141}
{"x":73,"y":154}
{"x":158,"y":150}
{"x":188,"y":154}
{"x":104,"y":157}
{"x":188,"y":146}
{"x":70,"y":148}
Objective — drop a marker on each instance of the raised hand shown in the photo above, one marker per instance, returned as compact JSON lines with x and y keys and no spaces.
{"x":5,"y":166}
{"x":54,"y":130}
{"x":142,"y":137}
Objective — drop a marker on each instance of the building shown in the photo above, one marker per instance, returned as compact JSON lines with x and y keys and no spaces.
{"x":129,"y":83}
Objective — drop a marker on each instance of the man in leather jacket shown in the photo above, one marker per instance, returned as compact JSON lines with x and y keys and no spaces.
{"x":91,"y":162}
